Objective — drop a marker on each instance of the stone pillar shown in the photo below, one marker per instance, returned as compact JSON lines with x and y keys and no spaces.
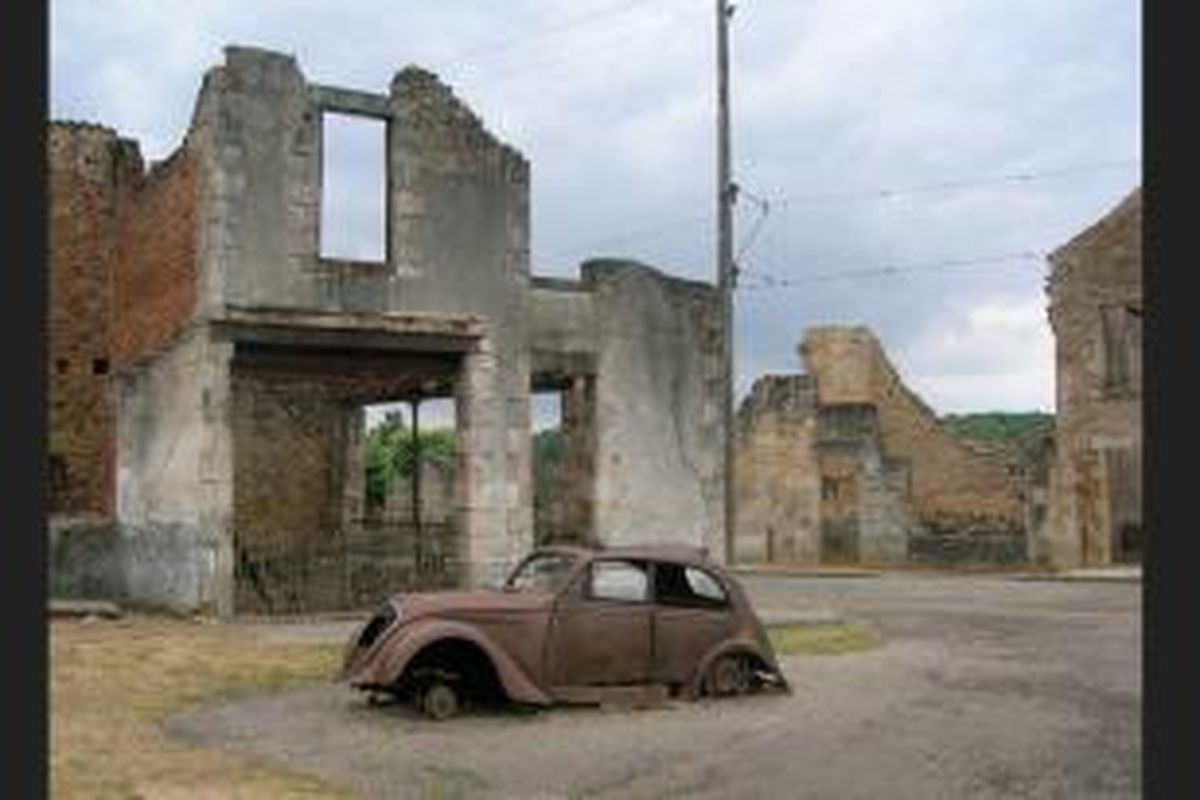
{"x":578,"y":477}
{"x":484,"y":551}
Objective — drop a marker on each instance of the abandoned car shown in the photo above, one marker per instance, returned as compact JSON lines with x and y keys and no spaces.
{"x":569,"y":625}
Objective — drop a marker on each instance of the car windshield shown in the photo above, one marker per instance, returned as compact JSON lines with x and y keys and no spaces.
{"x":541,"y":572}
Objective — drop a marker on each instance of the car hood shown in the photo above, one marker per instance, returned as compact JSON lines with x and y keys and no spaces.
{"x":424,"y":604}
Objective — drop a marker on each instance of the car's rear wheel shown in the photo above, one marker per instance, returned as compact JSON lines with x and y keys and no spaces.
{"x":729,"y":675}
{"x":439,"y":700}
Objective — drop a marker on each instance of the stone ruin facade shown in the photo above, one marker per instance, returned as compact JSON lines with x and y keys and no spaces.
{"x":846,"y":465}
{"x":1095,"y":294}
{"x":210,"y":369}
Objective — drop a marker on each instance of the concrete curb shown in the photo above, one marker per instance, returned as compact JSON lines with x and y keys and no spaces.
{"x":76,"y":609}
{"x":1078,"y":578}
{"x":801,"y":572}
{"x":783,"y":619}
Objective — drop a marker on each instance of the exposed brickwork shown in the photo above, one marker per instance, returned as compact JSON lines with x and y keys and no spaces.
{"x":122,"y":283}
{"x":287,"y":495}
{"x":1095,"y":292}
{"x":155,"y":285}
{"x":81,"y":248}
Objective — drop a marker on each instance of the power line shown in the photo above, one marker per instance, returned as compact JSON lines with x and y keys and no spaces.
{"x":945,"y":186}
{"x":764,"y":208}
{"x":770,"y":281}
{"x":786,"y":201}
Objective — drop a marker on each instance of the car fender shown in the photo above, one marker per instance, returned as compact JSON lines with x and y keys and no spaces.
{"x":388,"y":663}
{"x":740,"y":645}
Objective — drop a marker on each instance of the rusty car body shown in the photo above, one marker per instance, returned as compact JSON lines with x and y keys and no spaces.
{"x":567,"y":625}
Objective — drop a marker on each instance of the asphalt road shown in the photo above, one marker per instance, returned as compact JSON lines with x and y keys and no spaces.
{"x":985,"y":687}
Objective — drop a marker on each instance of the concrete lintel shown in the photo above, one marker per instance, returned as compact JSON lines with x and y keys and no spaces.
{"x":550,"y":369}
{"x":350,"y":101}
{"x":390,"y":329}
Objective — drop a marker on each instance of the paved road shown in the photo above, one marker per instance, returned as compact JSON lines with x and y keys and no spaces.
{"x":985,"y":687}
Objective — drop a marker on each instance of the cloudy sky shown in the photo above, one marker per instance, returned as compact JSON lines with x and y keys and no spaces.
{"x":903,"y":165}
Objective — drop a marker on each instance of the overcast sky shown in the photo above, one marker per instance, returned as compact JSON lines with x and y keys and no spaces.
{"x":916,"y":160}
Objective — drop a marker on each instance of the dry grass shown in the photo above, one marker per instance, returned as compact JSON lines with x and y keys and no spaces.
{"x":112,"y":682}
{"x":822,"y":640}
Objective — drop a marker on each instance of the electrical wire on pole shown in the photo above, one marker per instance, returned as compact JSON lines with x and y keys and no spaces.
{"x":726,"y":275}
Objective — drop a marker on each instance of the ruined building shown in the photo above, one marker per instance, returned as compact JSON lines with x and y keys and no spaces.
{"x":1095,"y":309}
{"x":845,"y":464}
{"x":210,"y":366}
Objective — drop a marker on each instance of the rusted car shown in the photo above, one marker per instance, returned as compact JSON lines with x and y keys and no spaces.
{"x":568,"y":625}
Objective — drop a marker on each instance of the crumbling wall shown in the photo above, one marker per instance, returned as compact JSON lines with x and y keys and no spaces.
{"x":953,"y":489}
{"x":778,"y":479}
{"x":174,"y":457}
{"x":154,"y":284}
{"x":1095,"y":293}
{"x":865,"y":498}
{"x":457,"y":247}
{"x":636,"y":354}
{"x":81,"y":246}
{"x":659,"y":441}
{"x":122,"y":291}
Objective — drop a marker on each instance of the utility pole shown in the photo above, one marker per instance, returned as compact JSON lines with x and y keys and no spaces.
{"x":726,"y":277}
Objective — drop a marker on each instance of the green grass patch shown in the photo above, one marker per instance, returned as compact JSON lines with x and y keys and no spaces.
{"x":833,"y":639}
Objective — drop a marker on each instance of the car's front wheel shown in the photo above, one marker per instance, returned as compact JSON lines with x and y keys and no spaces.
{"x":439,"y":700}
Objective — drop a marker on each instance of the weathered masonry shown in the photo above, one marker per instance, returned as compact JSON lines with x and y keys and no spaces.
{"x":1095,"y":294}
{"x":845,"y":464}
{"x":210,"y":367}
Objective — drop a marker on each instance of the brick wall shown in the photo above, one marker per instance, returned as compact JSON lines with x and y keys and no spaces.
{"x":154,"y":288}
{"x":81,"y":248}
{"x":122,"y":283}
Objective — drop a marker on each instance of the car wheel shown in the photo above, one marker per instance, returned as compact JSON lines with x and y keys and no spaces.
{"x":729,"y":675}
{"x":439,"y":701}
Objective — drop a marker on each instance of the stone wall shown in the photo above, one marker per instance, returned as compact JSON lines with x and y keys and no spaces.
{"x":659,"y":461}
{"x":952,"y":487}
{"x":778,"y":479}
{"x":166,"y":279}
{"x":846,"y":465}
{"x":1095,"y":294}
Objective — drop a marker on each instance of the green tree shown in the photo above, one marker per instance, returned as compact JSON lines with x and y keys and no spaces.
{"x":392,"y":453}
{"x":995,"y":425}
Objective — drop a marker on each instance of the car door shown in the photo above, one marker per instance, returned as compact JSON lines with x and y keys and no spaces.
{"x":600,"y":634}
{"x":692,"y":614}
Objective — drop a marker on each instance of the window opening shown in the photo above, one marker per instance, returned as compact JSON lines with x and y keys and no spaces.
{"x":353,"y":188}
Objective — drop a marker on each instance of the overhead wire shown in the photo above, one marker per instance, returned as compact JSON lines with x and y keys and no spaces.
{"x":768,"y":280}
{"x":783,"y":203}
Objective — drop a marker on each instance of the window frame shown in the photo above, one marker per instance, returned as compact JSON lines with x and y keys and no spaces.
{"x":697,"y":600}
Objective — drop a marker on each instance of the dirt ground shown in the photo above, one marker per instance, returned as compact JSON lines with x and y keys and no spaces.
{"x":113,"y":682}
{"x":984,"y":687}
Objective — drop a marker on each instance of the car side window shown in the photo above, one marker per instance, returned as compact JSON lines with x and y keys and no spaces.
{"x":619,"y":580}
{"x":679,"y":585}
